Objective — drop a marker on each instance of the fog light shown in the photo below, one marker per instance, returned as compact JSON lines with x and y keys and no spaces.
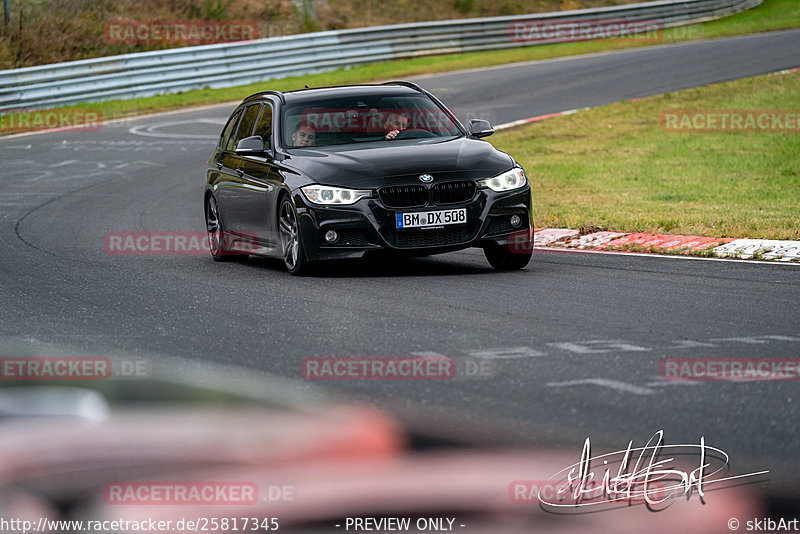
{"x":331,"y":236}
{"x":515,"y":221}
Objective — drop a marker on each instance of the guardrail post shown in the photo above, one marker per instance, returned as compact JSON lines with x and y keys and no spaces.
{"x":311,"y":8}
{"x":308,"y":14}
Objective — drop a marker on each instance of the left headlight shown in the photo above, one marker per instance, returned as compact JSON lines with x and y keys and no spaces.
{"x":327,"y":195}
{"x":513,"y":179}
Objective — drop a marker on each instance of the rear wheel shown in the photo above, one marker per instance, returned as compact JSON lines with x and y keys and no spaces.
{"x":217,"y":242}
{"x":502,"y":258}
{"x":294,"y":258}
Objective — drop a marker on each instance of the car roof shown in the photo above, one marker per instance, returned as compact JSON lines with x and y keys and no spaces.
{"x":314,"y":93}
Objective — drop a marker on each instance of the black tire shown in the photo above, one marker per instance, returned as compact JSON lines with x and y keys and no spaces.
{"x":502,"y":258}
{"x":217,"y":243}
{"x":294,"y":257}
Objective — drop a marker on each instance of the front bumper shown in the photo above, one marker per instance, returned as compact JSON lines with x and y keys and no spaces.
{"x":369,"y":225}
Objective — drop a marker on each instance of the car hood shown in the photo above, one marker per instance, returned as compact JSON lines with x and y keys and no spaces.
{"x":373,"y":165}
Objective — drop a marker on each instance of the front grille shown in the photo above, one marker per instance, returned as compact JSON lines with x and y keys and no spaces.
{"x":453,"y":192}
{"x":411,"y":196}
{"x":429,"y":238}
{"x":403,"y":196}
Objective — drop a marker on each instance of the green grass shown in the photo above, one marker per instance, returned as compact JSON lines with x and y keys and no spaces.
{"x":771,"y":15}
{"x":616,"y":168}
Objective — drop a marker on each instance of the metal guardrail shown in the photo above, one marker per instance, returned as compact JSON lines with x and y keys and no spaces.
{"x":230,"y":64}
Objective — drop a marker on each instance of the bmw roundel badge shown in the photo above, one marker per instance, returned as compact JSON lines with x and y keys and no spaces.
{"x":426,"y":178}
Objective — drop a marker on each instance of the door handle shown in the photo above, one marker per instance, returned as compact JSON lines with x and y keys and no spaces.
{"x":219,"y":165}
{"x":240,"y":172}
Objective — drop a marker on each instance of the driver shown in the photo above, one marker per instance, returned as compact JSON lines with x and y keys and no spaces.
{"x":304,"y":135}
{"x":395,"y":123}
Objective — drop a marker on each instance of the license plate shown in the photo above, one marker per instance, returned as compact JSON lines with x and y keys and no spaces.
{"x":418,"y":219}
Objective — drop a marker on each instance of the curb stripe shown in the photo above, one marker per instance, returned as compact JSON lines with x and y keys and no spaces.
{"x":687,"y":245}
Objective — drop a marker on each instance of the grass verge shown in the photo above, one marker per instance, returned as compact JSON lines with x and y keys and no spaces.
{"x":618,"y":167}
{"x":771,"y":15}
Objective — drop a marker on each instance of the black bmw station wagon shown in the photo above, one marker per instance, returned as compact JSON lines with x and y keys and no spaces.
{"x":340,"y":172}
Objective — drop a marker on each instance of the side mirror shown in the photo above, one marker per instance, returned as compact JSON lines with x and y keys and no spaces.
{"x":250,"y":146}
{"x":480,"y":128}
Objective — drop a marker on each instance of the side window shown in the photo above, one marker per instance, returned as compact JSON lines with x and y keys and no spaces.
{"x":225,"y":138}
{"x":264,"y":126}
{"x":246,"y":124}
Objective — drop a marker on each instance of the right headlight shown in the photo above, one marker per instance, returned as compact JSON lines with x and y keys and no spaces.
{"x":513,"y":179}
{"x":327,"y":195}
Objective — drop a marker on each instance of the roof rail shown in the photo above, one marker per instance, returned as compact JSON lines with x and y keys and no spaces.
{"x":276,"y":93}
{"x":412,"y":85}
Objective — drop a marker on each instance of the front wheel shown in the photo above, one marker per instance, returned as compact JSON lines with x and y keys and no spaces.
{"x":294,"y":258}
{"x":502,"y":258}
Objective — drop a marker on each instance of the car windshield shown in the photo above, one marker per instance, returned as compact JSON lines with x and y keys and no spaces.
{"x":359,"y":119}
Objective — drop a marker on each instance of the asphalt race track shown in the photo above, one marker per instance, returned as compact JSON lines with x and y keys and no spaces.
{"x":572,"y":344}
